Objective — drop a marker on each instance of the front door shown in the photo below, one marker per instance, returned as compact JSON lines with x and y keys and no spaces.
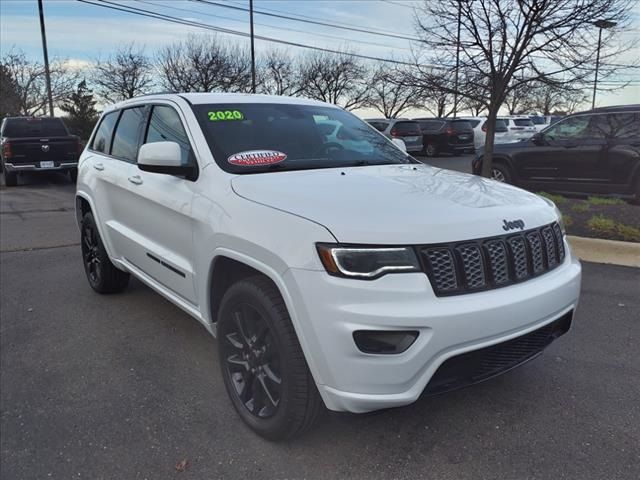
{"x":566,"y":156}
{"x":162,"y":211}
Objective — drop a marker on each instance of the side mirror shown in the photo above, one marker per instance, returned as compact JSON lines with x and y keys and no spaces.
{"x":163,"y":157}
{"x":399,"y":143}
{"x":537,"y":139}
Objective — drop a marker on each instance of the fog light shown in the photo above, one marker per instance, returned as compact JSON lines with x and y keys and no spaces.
{"x":384,"y":341}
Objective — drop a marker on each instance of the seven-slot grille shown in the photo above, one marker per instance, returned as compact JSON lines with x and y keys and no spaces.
{"x":495,"y":262}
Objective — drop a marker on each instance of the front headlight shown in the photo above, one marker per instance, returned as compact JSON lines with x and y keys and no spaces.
{"x":560,"y":220}
{"x":558,"y":213}
{"x":367,"y":263}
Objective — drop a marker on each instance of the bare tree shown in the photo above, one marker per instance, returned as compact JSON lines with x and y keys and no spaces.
{"x":9,"y":97}
{"x":335,"y":78}
{"x":28,"y":80}
{"x":205,"y":64}
{"x":520,"y":99}
{"x":123,"y":75}
{"x":547,"y":99}
{"x":391,"y":93}
{"x":279,"y":74}
{"x":507,"y":43}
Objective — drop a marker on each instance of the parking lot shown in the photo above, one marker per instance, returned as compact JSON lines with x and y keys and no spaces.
{"x":128,"y":386}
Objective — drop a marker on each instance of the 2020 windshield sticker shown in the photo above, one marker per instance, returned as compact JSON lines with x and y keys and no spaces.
{"x":225,"y":115}
{"x":256,"y":158}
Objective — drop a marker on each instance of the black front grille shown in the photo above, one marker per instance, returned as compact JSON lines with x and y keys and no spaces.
{"x":478,"y":365}
{"x":495,"y":262}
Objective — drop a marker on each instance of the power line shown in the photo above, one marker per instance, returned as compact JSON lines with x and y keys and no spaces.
{"x":206,"y":26}
{"x":334,"y":22}
{"x":314,"y":22}
{"x":272,"y":26}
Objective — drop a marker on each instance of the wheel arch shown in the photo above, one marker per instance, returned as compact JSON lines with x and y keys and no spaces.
{"x":228,"y":266}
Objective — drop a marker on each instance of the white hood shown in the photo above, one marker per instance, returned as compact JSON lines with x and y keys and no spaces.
{"x":397,"y":204}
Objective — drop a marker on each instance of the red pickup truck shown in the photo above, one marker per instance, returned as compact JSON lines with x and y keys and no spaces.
{"x":37,"y":144}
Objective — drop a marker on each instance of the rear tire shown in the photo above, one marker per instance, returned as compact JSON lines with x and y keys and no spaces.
{"x":501,"y":173}
{"x":263,"y":367}
{"x":431,"y":150}
{"x":636,"y":192}
{"x":73,"y":175}
{"x":10,"y":178}
{"x":102,"y":275}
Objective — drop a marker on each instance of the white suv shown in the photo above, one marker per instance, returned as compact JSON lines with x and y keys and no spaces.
{"x":354,"y":278}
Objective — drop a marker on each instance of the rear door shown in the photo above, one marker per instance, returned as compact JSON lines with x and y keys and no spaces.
{"x":160,"y":213}
{"x":621,"y":156}
{"x":567,"y":157}
{"x":109,"y":186}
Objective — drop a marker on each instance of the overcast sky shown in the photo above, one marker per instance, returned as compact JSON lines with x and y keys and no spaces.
{"x":81,"y":33}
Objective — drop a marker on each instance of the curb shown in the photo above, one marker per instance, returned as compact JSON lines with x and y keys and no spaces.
{"x":605,"y":251}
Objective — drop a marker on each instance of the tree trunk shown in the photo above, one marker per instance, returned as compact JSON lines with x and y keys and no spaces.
{"x":487,"y":159}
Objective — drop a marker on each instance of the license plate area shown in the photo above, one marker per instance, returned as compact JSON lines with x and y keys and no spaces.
{"x":411,"y":139}
{"x":47,"y":164}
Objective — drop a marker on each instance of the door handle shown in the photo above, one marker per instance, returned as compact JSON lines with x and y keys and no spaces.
{"x":98,"y":166}
{"x":136,"y":180}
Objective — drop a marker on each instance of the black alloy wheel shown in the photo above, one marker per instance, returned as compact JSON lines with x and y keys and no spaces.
{"x":252,"y":361}
{"x":263,"y":367}
{"x":103,"y":276}
{"x":91,"y":253}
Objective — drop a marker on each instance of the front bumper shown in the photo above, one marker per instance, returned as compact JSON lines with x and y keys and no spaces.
{"x":329,"y":309}
{"x":35,"y":167}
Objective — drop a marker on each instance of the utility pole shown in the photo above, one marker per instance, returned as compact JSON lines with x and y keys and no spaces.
{"x":253,"y":50}
{"x":455,"y":88}
{"x":600,"y":24}
{"x":46,"y":58}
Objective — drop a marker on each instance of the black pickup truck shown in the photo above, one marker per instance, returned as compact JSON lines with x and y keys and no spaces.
{"x":37,"y":144}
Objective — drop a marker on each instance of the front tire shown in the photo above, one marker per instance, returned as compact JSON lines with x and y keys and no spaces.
{"x":102,"y":275}
{"x":263,"y":367}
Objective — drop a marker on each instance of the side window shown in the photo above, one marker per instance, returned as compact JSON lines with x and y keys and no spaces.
{"x":165,"y":126}
{"x":126,"y":138}
{"x":102,"y":138}
{"x":569,"y":129}
{"x":625,"y":125}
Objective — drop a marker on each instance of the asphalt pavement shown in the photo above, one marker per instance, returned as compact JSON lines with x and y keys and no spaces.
{"x":128,"y":386}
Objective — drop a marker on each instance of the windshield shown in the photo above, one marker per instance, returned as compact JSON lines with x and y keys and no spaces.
{"x":34,"y":127}
{"x":259,"y":137}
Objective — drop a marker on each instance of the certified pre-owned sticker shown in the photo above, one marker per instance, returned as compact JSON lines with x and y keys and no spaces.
{"x":254,"y":158}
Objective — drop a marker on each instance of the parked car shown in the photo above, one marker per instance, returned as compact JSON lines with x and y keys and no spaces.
{"x":540,"y":122}
{"x":520,"y":128}
{"x":479,"y":125}
{"x":334,"y":133}
{"x":594,"y":152}
{"x":406,"y":130}
{"x":446,"y":135}
{"x":357,"y":281}
{"x":37,"y":144}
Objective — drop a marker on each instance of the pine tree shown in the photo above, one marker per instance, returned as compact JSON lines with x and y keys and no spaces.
{"x":81,"y":112}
